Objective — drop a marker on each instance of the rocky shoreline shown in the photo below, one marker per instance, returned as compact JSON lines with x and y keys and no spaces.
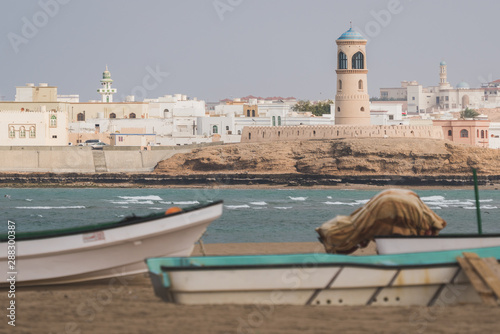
{"x":30,"y":180}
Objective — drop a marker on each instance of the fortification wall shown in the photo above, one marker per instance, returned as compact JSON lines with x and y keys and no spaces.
{"x":258,"y":134}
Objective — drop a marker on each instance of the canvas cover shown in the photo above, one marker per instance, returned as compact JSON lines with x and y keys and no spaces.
{"x":391,"y":212}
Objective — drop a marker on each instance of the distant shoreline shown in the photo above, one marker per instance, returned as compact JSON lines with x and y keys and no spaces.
{"x":242,"y":181}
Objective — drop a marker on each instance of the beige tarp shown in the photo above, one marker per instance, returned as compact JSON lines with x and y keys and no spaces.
{"x":390,"y":212}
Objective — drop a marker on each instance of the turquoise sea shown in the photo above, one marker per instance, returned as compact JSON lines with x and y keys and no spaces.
{"x":250,"y":215}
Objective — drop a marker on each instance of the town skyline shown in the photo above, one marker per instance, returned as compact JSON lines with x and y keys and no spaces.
{"x":227,"y":49}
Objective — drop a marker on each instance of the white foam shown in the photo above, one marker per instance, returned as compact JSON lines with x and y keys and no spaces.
{"x":258,"y":203}
{"x":432,"y":198}
{"x":244,"y":206}
{"x":29,"y":199}
{"x":435,"y":208}
{"x":165,"y":202}
{"x":186,"y":203}
{"x":362,"y":201}
{"x":49,"y":207}
{"x":297,"y":198}
{"x":483,"y":207}
{"x":337,"y":203}
{"x":329,"y":197}
{"x":155,"y":208}
{"x":142,"y":198}
{"x":283,"y":207}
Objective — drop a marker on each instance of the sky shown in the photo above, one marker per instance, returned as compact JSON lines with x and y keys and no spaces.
{"x":216,"y":49}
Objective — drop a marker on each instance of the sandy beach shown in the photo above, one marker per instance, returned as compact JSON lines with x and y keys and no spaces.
{"x":128,"y":305}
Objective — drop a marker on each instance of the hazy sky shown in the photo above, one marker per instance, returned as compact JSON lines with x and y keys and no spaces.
{"x":232,"y":48}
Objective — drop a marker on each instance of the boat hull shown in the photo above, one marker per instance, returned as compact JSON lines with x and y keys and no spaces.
{"x":416,"y":244}
{"x":112,"y":252}
{"x":313,"y":279}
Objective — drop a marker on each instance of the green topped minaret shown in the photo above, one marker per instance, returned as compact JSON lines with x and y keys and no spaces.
{"x":106,"y":91}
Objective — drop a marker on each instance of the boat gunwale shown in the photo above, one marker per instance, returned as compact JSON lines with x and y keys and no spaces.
{"x":440,"y":236}
{"x":48,"y":234}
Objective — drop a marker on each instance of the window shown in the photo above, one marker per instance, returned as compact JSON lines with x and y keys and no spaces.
{"x":413,"y":98}
{"x":362,"y":109}
{"x":477,"y":133}
{"x":360,"y":84}
{"x":253,"y":113}
{"x":12,"y":132}
{"x":358,"y":61}
{"x":239,"y":132}
{"x":80,"y":117}
{"x":464,"y":134}
{"x":120,"y":138}
{"x":249,"y":135}
{"x":132,"y":115}
{"x":274,"y":120}
{"x":279,"y":120}
{"x":32,"y":132}
{"x":227,"y":128}
{"x":447,"y":98}
{"x":482,"y":133}
{"x":22,"y":132}
{"x":340,"y":84}
{"x":342,"y":61}
{"x":248,"y":113}
{"x":215,"y":129}
{"x":338,"y":109}
{"x":54,"y":137}
{"x":450,"y":133}
{"x":53,"y":121}
{"x":391,"y":117}
{"x":113,"y":115}
{"x":165,"y":110}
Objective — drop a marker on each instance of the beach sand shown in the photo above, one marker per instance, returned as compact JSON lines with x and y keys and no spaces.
{"x":128,"y":305}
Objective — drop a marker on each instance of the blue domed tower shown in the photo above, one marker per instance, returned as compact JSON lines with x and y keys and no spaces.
{"x":106,"y":91}
{"x":352,"y":102}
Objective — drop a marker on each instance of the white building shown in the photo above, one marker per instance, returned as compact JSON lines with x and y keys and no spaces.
{"x":33,"y":128}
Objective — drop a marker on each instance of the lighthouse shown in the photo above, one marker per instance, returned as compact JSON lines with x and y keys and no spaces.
{"x":106,"y":91}
{"x":352,"y":103}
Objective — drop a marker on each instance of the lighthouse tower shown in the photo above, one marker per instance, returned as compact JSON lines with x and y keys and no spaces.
{"x":106,"y":91}
{"x":352,"y":103}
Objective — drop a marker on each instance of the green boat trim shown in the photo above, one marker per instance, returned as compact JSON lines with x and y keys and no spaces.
{"x":130,"y":220}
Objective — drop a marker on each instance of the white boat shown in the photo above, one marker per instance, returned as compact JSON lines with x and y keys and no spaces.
{"x":398,"y":244}
{"x":317,"y":279}
{"x":106,"y":250}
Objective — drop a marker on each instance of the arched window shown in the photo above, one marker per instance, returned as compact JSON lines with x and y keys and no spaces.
{"x":113,"y":115}
{"x":477,"y":133}
{"x":342,"y":61}
{"x":360,"y":84}
{"x":165,"y":110}
{"x":132,"y":115}
{"x":340,"y":84}
{"x":32,"y":132}
{"x":227,"y":128}
{"x":22,"y":132}
{"x":80,"y":117}
{"x":482,"y":133}
{"x":239,"y":132}
{"x":362,"y":109}
{"x":464,"y":134}
{"x":338,"y":109}
{"x":53,"y":121}
{"x":12,"y":132}
{"x":274,"y":120}
{"x":358,"y":61}
{"x":215,"y":129}
{"x":249,"y":135}
{"x":253,"y":113}
{"x":450,"y":133}
{"x":279,"y":120}
{"x":279,"y":133}
{"x":248,"y":112}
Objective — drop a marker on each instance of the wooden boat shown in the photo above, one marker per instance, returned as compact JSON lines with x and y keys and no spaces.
{"x":398,"y":244}
{"x":316,"y":279}
{"x":106,"y":250}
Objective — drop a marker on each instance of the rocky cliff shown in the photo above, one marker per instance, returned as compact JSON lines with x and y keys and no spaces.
{"x":353,"y":156}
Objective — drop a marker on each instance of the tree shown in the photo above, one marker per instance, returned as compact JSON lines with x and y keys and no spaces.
{"x":317,"y":109}
{"x":468,"y":113}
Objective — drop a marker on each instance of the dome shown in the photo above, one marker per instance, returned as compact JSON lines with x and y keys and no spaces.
{"x":442,"y":63}
{"x":106,"y":74}
{"x":463,"y":85}
{"x":351,"y":34}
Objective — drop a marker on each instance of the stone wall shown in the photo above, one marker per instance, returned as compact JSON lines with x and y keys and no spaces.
{"x":257,"y":134}
{"x":83,"y":159}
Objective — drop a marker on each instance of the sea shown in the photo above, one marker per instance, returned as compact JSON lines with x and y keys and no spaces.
{"x":250,"y":215}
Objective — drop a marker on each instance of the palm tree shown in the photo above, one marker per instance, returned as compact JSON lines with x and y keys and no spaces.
{"x":468,"y":113}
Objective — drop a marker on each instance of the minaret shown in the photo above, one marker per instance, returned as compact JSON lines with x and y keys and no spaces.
{"x":106,"y":91}
{"x":442,"y":75}
{"x":352,"y":103}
